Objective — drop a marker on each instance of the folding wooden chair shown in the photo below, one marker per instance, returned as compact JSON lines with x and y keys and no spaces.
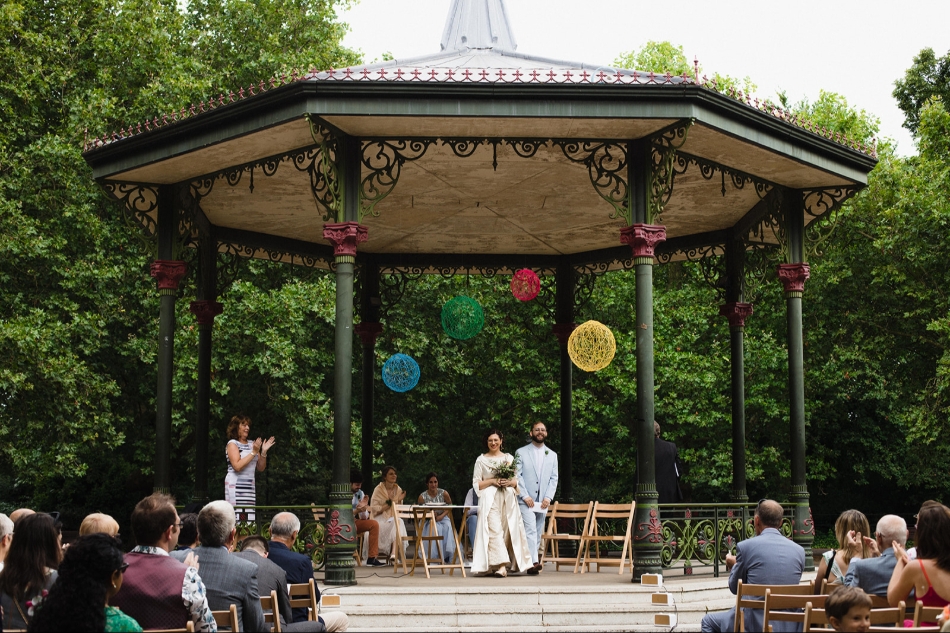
{"x":271,"y":611}
{"x":888,"y":617}
{"x":401,"y":514}
{"x":878,"y":602}
{"x":788,"y":608}
{"x":601,"y":512}
{"x":189,"y":628}
{"x":422,"y":543}
{"x":227,"y":618}
{"x":744,"y":599}
{"x":925,"y":614}
{"x":553,"y":534}
{"x":304,"y":595}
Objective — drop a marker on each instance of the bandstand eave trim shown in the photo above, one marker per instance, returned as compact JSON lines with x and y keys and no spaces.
{"x":336,"y":99}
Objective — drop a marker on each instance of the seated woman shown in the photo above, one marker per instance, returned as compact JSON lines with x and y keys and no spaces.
{"x":90,"y":574}
{"x":386,"y":496}
{"x":500,"y":538}
{"x":851,"y":530}
{"x":929,"y":574}
{"x":443,"y":519}
{"x":29,"y":570}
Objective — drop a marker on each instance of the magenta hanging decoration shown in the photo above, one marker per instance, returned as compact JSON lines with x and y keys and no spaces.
{"x":525,"y":284}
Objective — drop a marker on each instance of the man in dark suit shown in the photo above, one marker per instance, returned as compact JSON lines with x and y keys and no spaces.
{"x":270,"y":577}
{"x":767,"y":559}
{"x":874,"y":574}
{"x":228,"y":579}
{"x":283,"y":532}
{"x":667,"y":468}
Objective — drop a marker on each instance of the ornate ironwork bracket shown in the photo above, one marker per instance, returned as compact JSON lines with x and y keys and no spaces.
{"x":773,"y":223}
{"x":140,"y":203}
{"x":823,"y":205}
{"x":708,"y":169}
{"x":664,"y":145}
{"x":606,"y":163}
{"x":384,"y":160}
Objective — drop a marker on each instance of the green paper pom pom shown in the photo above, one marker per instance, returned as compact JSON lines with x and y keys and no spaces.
{"x":462,"y":317}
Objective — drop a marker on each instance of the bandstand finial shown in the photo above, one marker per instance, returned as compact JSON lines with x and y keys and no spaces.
{"x":478,"y":24}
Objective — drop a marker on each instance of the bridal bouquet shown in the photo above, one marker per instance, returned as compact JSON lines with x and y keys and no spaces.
{"x":506,"y":470}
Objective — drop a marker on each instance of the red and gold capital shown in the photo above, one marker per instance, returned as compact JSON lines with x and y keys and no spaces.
{"x":368,"y":331}
{"x":643,"y":239}
{"x":736,"y":313}
{"x":168,"y":273}
{"x":345,"y":236}
{"x":205,"y":311}
{"x":793,"y":278}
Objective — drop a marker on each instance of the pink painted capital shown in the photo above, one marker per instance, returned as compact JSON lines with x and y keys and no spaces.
{"x":793,"y":276}
{"x":736,"y":313}
{"x":205,"y":311}
{"x":368,"y":331}
{"x":168,"y":273}
{"x":563,"y":332}
{"x":345,"y":236}
{"x":642,"y":238}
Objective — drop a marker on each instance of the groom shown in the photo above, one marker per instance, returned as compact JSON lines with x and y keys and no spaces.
{"x":537,"y":482}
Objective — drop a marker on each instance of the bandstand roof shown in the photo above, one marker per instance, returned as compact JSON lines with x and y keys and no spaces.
{"x":498,"y":177}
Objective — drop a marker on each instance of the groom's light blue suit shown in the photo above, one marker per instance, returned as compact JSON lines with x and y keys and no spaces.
{"x":538,"y":488}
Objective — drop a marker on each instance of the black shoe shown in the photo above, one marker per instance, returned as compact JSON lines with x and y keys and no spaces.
{"x":374,"y":562}
{"x":535,"y":569}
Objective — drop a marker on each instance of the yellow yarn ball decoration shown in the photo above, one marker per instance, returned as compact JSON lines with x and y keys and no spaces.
{"x":591,"y":346}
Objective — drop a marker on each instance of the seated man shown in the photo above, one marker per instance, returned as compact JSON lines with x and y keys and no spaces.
{"x":228,"y":579}
{"x":283,"y":532}
{"x":270,"y":577}
{"x":188,"y":537}
{"x":158,"y":591}
{"x":766,"y":559}
{"x":874,"y":574}
{"x":363,"y":523}
{"x":471,"y":516}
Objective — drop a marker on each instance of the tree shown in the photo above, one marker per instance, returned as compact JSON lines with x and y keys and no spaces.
{"x":656,"y":57}
{"x":929,"y":76}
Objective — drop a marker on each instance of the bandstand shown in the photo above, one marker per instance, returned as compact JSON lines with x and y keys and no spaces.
{"x":480,"y":158}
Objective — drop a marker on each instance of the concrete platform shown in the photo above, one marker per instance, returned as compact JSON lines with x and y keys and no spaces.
{"x":551,"y":601}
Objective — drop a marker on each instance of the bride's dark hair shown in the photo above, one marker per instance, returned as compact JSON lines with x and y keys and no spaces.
{"x":491,"y":432}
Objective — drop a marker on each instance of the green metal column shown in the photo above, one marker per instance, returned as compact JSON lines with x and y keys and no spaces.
{"x":345,"y":235}
{"x":168,"y":273}
{"x":368,"y":330}
{"x":737,"y":312}
{"x":563,"y":326}
{"x":793,"y":275}
{"x":642,"y":238}
{"x":204,"y":309}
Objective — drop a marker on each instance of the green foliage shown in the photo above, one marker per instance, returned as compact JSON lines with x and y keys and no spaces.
{"x":928,"y":77}
{"x":656,"y":57}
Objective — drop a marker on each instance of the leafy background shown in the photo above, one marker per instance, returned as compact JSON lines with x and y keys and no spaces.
{"x":78,"y":310}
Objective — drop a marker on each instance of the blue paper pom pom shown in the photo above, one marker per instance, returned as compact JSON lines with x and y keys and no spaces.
{"x":401,"y":373}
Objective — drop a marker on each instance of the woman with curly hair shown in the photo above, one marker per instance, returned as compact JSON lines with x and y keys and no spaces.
{"x":90,"y":574}
{"x":29,"y":569}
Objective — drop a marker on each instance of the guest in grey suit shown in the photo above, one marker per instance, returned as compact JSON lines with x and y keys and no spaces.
{"x":767,"y":559}
{"x":271,"y":577}
{"x":228,"y":579}
{"x":874,"y":574}
{"x":537,"y":483}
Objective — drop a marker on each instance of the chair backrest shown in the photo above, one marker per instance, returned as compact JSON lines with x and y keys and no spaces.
{"x":270,"y":609}
{"x":879,"y":602}
{"x":888,"y":616}
{"x":569,"y":511}
{"x":777,"y":606}
{"x":925,"y":614}
{"x":304,"y":595}
{"x":318,"y":513}
{"x":227,"y":618}
{"x":753,"y":597}
{"x":189,"y":628}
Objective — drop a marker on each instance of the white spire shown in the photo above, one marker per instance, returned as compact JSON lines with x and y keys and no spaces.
{"x":478,"y":24}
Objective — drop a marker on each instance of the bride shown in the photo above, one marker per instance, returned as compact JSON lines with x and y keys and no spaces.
{"x":499,"y":536}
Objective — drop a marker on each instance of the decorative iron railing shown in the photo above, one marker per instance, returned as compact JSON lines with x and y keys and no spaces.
{"x":311,"y":540}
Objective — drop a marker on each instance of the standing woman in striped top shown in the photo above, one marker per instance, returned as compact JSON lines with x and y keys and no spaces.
{"x":244,"y":459}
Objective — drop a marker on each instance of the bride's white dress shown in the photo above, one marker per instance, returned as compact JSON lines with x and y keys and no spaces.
{"x":499,"y":536}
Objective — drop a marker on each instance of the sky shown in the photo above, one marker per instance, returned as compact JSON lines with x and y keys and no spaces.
{"x":855,"y":48}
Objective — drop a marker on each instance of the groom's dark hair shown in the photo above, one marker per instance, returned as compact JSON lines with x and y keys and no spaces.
{"x":491,"y":432}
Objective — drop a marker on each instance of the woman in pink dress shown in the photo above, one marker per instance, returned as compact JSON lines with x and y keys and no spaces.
{"x":929,"y":574}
